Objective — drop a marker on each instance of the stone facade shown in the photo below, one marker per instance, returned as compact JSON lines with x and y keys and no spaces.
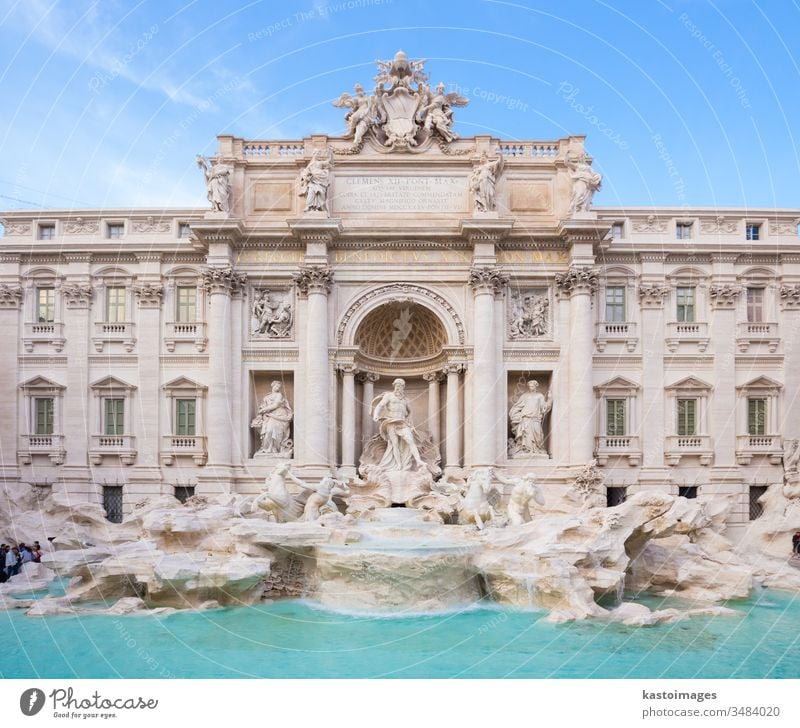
{"x":138,"y":346}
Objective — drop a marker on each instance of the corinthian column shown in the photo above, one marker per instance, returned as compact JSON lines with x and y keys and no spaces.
{"x":368,"y":380}
{"x":486,"y":282}
{"x":314,"y":281}
{"x":579,"y":283}
{"x":452,"y":447}
{"x":219,"y":283}
{"x":432,"y":378}
{"x":348,"y":372}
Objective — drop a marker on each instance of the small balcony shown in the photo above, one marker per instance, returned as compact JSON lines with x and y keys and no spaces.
{"x":689,"y":332}
{"x":679,"y":446}
{"x":50,"y":445}
{"x":48,"y":332}
{"x":757,"y":333}
{"x":624,"y":446}
{"x":616,"y":332}
{"x":750,"y":446}
{"x":193,"y":332}
{"x":173,"y":446}
{"x":113,"y":332}
{"x":121,"y":446}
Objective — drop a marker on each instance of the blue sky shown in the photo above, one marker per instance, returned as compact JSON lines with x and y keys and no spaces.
{"x":685,"y":102}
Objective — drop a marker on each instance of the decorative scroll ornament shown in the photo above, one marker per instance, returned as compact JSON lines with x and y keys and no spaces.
{"x":151,"y":226}
{"x":790,"y":295}
{"x":81,"y":226}
{"x":652,"y":295}
{"x":577,"y":279}
{"x":719,"y":225}
{"x":10,"y":296}
{"x":487,"y":279}
{"x":148,"y":295}
{"x":724,"y":295}
{"x":650,"y":225}
{"x":16,"y":228}
{"x":403,"y":113}
{"x":783,"y":227}
{"x":223,"y":280}
{"x":77,"y":295}
{"x":314,"y":279}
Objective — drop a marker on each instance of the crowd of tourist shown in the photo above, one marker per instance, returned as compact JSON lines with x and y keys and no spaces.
{"x":13,"y":557}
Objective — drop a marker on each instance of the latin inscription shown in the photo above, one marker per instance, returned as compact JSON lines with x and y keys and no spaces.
{"x":390,"y":193}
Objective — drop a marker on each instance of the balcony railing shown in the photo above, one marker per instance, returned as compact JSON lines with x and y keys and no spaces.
{"x":748,"y":446}
{"x":678,"y":446}
{"x":49,"y":332}
{"x":50,"y":445}
{"x":607,"y":446}
{"x":122,"y":446}
{"x":113,"y":331}
{"x":679,"y":332}
{"x":757,"y":333}
{"x":616,"y":332}
{"x":193,"y":446}
{"x":193,"y":332}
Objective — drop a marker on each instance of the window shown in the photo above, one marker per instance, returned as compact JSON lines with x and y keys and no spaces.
{"x":115,"y":230}
{"x":752,"y":231}
{"x":685,"y":297}
{"x":43,"y":415}
{"x":615,"y":496}
{"x":615,"y":417}
{"x":687,"y":417}
{"x":756,"y":509}
{"x":47,"y":231}
{"x":187,"y":304}
{"x":114,"y":416}
{"x":184,"y":230}
{"x":683,"y":231}
{"x":45,"y":305}
{"x":756,"y":416}
{"x":755,"y":305}
{"x":615,"y":303}
{"x":112,"y":502}
{"x":185,"y":416}
{"x":115,"y":304}
{"x":687,"y":491}
{"x":617,"y":230}
{"x":184,"y":492}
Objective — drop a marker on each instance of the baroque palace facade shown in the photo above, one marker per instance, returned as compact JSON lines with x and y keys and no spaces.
{"x":185,"y":351}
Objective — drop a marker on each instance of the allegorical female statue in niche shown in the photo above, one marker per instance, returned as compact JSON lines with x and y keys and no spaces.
{"x":527,"y":415}
{"x":273,"y":423}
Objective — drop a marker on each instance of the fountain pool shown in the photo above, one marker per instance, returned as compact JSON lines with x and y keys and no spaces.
{"x":296,"y":639}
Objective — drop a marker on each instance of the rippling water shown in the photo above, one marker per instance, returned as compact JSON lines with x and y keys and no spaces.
{"x":294,"y":639}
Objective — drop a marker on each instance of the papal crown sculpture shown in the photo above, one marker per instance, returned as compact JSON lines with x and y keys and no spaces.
{"x":403,"y":112}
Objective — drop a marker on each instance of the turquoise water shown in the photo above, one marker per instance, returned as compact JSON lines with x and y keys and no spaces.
{"x":294,"y":639}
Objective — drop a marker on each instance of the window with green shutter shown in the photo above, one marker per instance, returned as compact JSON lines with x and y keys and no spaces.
{"x":756,"y":416}
{"x":187,"y":304}
{"x":185,"y":417}
{"x":115,"y":304}
{"x":45,"y":305}
{"x":687,"y":417}
{"x":685,"y":297}
{"x":615,"y":417}
{"x":114,"y":420}
{"x":43,"y":415}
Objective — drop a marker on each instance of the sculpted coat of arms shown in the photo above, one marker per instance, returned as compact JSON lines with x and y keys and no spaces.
{"x":403,"y":112}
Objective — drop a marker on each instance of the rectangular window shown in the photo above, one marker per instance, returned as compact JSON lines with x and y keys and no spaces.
{"x":752,"y":230}
{"x":115,"y":230}
{"x":47,"y":232}
{"x":615,"y":417}
{"x":184,"y":230}
{"x":185,"y":416}
{"x":114,"y":416}
{"x":685,"y":297}
{"x":184,"y":492}
{"x":112,"y":502}
{"x":43,"y":415}
{"x":115,"y":304}
{"x":683,"y":231}
{"x":687,"y":491}
{"x":755,"y":305}
{"x":615,"y":303}
{"x":45,"y":305}
{"x":756,"y":508}
{"x":756,"y":416}
{"x":187,"y":304}
{"x":617,"y":230}
{"x":687,"y":417}
{"x":615,"y":496}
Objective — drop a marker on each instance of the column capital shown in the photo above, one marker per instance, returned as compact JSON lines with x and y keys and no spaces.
{"x":222,"y":280}
{"x":577,"y":279}
{"x":723,"y":295}
{"x":10,"y":296}
{"x":314,"y":279}
{"x":148,"y":295}
{"x":453,"y":368}
{"x":487,"y":279}
{"x":652,"y":295}
{"x":368,"y":377}
{"x":432,"y":376}
{"x":77,"y":295}
{"x":346,"y":368}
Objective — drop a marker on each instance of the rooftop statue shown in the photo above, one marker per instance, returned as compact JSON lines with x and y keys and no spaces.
{"x":218,"y":182}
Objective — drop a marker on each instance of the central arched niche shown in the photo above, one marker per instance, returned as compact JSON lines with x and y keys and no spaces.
{"x":401,"y":331}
